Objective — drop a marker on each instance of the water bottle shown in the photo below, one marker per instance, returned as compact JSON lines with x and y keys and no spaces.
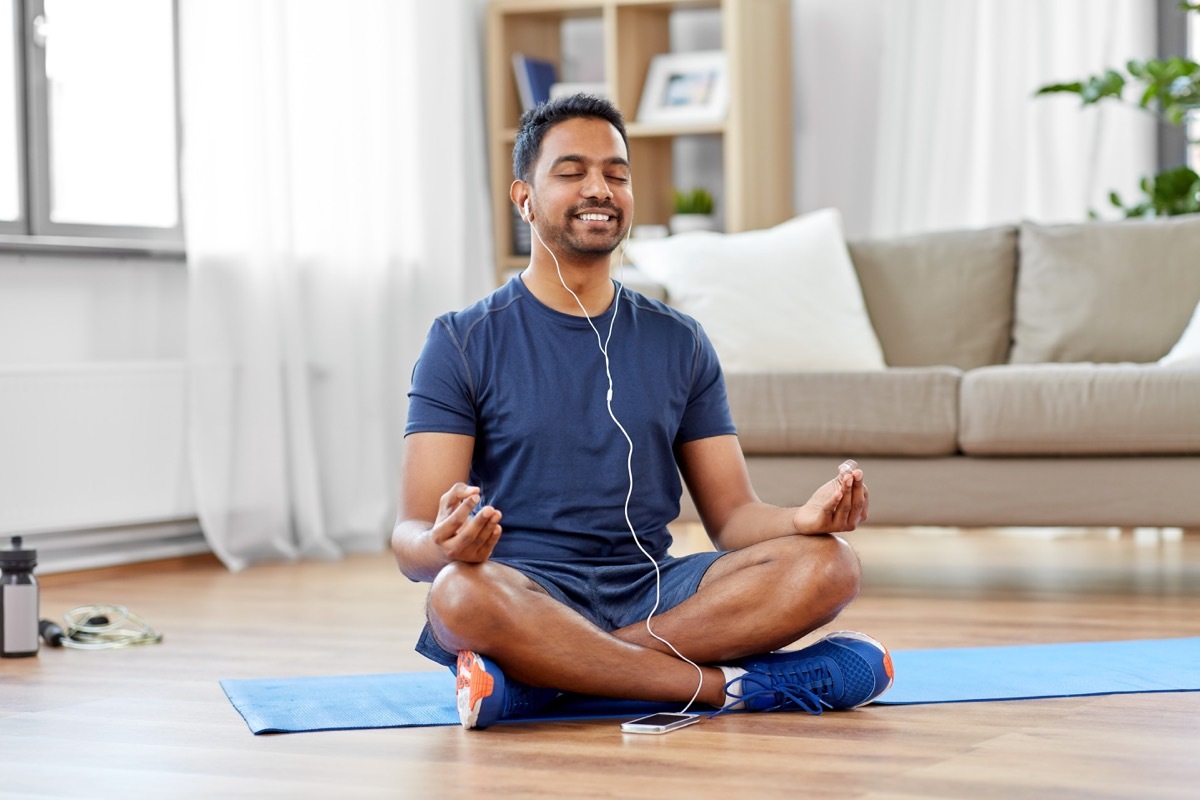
{"x":18,"y":602}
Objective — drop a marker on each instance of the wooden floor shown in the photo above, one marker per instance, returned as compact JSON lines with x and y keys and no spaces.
{"x":153,"y":722}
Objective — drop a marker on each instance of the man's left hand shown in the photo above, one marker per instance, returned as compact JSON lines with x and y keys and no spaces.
{"x":837,"y":506}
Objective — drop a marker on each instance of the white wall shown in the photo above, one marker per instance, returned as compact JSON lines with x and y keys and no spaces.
{"x":61,"y":308}
{"x":92,"y":409}
{"x":837,"y":46}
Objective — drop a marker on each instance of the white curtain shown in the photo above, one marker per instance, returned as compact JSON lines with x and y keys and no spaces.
{"x":917,"y":115}
{"x":336,"y":200}
{"x":962,"y":142}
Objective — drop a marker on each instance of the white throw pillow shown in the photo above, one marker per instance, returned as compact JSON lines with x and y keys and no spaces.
{"x":1187,"y":349}
{"x":777,"y":300}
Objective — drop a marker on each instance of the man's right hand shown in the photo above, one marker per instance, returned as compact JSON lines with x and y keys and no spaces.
{"x":461,"y":535}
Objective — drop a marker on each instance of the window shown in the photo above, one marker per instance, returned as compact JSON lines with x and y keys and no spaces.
{"x":89,"y":121}
{"x":1193,"y":125}
{"x":10,"y":117}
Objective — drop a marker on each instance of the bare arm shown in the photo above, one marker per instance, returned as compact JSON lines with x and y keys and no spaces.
{"x":435,"y":525}
{"x":734,"y":517}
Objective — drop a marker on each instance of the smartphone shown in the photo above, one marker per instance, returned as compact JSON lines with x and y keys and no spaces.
{"x":659,"y":723}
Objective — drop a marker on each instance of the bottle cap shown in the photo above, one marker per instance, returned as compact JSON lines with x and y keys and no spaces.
{"x":18,"y":557}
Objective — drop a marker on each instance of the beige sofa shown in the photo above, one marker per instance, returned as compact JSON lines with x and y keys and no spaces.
{"x":1022,"y":386}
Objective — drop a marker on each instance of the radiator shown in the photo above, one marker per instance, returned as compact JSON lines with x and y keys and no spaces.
{"x":94,"y":465}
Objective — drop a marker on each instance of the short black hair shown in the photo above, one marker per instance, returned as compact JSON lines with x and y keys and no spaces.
{"x":541,"y":118}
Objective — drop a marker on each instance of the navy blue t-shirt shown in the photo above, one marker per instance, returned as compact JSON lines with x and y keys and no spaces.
{"x":529,"y":384}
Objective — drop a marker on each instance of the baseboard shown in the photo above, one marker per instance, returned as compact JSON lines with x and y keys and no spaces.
{"x":93,"y":548}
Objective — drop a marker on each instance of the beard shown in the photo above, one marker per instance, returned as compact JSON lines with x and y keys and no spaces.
{"x":572,"y":238}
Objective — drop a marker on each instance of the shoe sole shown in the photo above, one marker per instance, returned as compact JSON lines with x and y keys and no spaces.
{"x":878,"y":645}
{"x":472,"y":686}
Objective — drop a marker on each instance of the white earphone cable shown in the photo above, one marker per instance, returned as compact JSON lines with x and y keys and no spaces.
{"x":603,"y":343}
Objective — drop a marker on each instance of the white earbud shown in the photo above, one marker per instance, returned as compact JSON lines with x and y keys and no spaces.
{"x":525,"y":210}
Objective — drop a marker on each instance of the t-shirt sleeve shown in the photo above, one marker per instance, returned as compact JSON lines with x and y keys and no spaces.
{"x":442,"y":397}
{"x":707,"y":413}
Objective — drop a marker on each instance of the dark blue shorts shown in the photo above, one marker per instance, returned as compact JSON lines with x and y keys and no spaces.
{"x":610,"y":596}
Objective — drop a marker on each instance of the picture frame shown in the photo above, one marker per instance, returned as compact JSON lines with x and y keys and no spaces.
{"x":685,"y":88}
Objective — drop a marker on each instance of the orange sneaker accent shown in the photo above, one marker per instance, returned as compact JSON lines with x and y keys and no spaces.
{"x":478,"y":680}
{"x":887,"y":665}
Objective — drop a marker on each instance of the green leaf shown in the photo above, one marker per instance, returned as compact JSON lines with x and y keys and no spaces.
{"x":1185,"y":89}
{"x":1148,"y":96}
{"x":1169,"y":193}
{"x":697,"y":201}
{"x":1098,"y":87}
{"x":1073,"y":88}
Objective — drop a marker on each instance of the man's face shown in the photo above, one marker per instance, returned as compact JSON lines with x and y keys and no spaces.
{"x":582,"y":194}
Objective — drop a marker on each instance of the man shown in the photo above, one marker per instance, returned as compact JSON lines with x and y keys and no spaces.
{"x":567,"y":407}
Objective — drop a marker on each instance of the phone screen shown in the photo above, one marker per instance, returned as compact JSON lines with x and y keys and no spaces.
{"x":659,"y":723}
{"x":662,"y":720}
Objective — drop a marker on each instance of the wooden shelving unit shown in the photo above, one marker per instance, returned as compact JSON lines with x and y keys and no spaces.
{"x":756,"y":136}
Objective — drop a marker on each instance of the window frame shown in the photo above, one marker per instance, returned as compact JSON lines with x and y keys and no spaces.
{"x":1174,"y":40}
{"x":20,"y":225}
{"x":1191,"y":126}
{"x":34,"y":231}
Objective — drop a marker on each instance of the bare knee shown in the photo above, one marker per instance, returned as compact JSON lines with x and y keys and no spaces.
{"x":824,"y":570}
{"x":840,"y":570}
{"x":469,"y":603}
{"x":457,"y":592}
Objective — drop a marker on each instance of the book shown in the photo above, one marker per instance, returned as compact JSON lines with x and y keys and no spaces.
{"x":535,"y":76}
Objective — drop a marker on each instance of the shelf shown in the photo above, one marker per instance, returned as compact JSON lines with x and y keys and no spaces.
{"x":755,"y":139}
{"x":644,"y":130}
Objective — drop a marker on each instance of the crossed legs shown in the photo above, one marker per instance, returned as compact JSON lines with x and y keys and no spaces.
{"x":753,"y":600}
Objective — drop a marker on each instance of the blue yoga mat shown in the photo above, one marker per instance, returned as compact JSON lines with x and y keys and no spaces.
{"x":392,"y":700}
{"x":291,"y":705}
{"x":1025,"y":672}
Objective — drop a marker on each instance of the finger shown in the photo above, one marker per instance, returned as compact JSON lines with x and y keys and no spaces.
{"x":451,"y":521}
{"x":477,"y":543}
{"x":475,"y":528}
{"x":853,"y":498}
{"x":455,"y":495}
{"x":487,"y":543}
{"x":847,"y":511}
{"x":461,"y":512}
{"x":857,"y":503}
{"x":835,"y":506}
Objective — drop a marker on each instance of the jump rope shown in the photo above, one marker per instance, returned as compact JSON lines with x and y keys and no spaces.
{"x":603,"y":341}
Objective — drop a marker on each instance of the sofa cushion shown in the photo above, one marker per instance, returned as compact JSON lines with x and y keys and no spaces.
{"x":940,"y":298}
{"x":1105,"y":291}
{"x":786,"y":298}
{"x":1078,"y":409}
{"x":1187,"y":349}
{"x":903,"y":411}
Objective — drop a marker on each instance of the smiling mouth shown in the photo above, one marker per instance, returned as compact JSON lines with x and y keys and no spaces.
{"x":594,"y":216}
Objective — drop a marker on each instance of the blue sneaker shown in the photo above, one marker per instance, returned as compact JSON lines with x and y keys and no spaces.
{"x":842,"y":670}
{"x":484,"y":695}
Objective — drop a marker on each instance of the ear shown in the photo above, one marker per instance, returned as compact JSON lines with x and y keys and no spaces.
{"x":521,"y":196}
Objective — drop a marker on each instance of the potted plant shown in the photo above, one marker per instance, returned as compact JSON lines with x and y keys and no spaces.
{"x":693,"y":211}
{"x":1169,"y":89}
